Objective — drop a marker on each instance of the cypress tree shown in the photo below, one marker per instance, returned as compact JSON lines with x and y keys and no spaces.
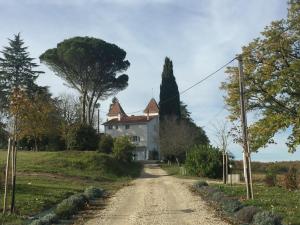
{"x":169,"y":103}
{"x":16,"y":69}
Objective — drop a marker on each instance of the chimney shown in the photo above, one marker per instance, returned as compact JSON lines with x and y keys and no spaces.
{"x":119,"y":116}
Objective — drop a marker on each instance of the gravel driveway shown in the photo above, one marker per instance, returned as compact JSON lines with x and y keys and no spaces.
{"x":156,"y":198}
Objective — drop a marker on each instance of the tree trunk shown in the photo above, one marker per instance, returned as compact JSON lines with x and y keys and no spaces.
{"x":35,"y":144}
{"x":13,"y":183}
{"x":178,"y":164}
{"x":94,"y":107}
{"x":83,"y":102}
{"x":6,"y":175}
{"x":89,"y":112}
{"x":91,"y":106}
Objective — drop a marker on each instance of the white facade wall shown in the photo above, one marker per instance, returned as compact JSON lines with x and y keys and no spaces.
{"x":140,"y":130}
{"x":153,"y":135}
{"x":147,"y":132}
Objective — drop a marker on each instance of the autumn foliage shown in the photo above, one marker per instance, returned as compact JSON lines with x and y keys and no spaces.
{"x":32,"y":114}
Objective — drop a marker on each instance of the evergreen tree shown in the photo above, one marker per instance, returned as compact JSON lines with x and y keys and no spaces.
{"x":169,"y":104}
{"x":16,"y":70}
{"x":91,"y":66}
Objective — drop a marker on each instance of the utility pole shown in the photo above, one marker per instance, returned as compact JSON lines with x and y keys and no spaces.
{"x":246,"y":153}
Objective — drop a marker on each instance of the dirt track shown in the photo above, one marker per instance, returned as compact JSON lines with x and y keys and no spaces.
{"x":156,"y":198}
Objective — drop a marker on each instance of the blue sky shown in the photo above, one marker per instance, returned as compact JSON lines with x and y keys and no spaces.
{"x":199,"y":36}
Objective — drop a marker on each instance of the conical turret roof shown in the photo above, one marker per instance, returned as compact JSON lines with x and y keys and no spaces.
{"x":116,"y":109}
{"x":152,"y":107}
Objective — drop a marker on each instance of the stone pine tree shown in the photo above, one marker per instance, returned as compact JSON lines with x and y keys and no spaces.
{"x":17,"y":70}
{"x":169,"y":104}
{"x":91,"y":66}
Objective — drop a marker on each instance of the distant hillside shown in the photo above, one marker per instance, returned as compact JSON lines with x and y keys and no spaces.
{"x":263,"y":167}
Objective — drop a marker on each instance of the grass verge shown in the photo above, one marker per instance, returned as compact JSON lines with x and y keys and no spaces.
{"x":174,"y":170}
{"x":276,"y":199}
{"x":46,"y":178}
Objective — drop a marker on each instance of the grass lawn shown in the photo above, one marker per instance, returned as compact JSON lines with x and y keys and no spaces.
{"x":46,"y":178}
{"x":276,"y":199}
{"x":171,"y":169}
{"x":174,"y":170}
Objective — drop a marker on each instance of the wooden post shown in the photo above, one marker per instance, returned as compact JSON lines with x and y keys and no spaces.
{"x":6,"y":175}
{"x":246,"y":160}
{"x":224,"y":167}
{"x":250,"y":171}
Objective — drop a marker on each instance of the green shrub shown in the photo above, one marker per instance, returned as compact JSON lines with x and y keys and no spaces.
{"x":266,"y":218}
{"x":231,"y":205}
{"x":277,"y":168}
{"x":123,"y":149}
{"x":106,"y":144}
{"x":217,"y":196}
{"x":209,"y":191}
{"x":45,"y":220}
{"x":204,"y":161}
{"x":246,"y":214}
{"x":70,"y":206}
{"x":93,"y":193}
{"x":153,"y":155}
{"x":270,"y":179}
{"x":200,"y":184}
{"x":84,"y":137}
{"x":290,"y":179}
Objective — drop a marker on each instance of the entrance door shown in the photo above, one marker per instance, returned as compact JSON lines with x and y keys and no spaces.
{"x":140,"y":154}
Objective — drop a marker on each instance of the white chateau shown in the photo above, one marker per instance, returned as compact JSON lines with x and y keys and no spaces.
{"x":143,"y":130}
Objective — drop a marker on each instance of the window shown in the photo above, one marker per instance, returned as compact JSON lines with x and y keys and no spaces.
{"x":109,"y":127}
{"x":127,"y":127}
{"x":135,"y":139}
{"x":116,"y":127}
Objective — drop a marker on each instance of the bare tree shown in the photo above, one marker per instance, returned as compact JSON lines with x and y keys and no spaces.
{"x":176,"y":137}
{"x":69,"y":108}
{"x":222,"y":134}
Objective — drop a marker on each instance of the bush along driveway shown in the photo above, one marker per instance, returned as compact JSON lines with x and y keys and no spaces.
{"x":69,"y":207}
{"x":232,"y":209}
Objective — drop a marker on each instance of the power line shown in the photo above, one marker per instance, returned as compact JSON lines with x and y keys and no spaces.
{"x":214,"y":117}
{"x":208,"y":76}
{"x":194,"y":85}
